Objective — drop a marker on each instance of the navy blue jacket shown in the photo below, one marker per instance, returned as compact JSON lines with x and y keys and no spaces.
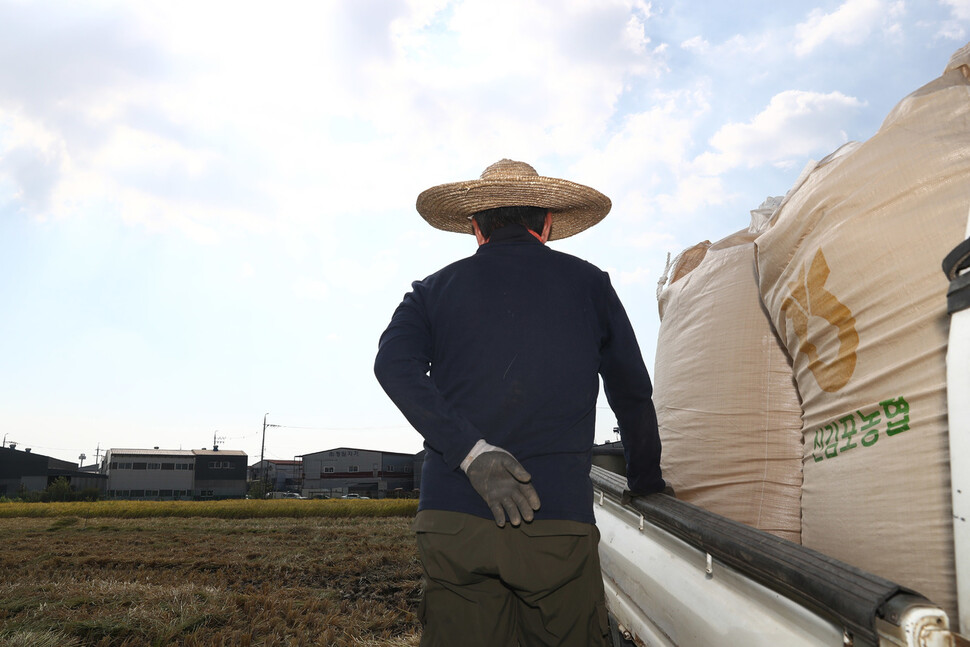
{"x":507,"y":345}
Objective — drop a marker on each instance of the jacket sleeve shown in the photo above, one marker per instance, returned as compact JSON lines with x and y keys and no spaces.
{"x":629,"y":392}
{"x":403,"y":368}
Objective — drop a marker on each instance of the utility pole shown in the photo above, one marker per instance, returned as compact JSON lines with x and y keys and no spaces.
{"x":262,"y":455}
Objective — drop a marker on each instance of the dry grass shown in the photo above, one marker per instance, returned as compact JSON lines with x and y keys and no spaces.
{"x":73,"y":581}
{"x":223,"y":509}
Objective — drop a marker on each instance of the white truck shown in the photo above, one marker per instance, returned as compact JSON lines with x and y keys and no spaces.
{"x":677,"y":575}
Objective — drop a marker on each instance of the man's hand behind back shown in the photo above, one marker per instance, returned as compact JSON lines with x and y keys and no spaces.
{"x":505,"y":485}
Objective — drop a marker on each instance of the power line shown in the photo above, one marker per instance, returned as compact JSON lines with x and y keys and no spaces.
{"x":343,"y":428}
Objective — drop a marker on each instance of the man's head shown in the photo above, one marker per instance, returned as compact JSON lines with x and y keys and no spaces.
{"x":487,"y":221}
{"x":509,"y":184}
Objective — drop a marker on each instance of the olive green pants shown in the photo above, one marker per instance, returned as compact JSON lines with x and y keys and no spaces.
{"x":538,"y":584}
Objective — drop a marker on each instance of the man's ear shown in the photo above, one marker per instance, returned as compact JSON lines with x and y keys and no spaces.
{"x":546,"y":227}
{"x":478,"y":234}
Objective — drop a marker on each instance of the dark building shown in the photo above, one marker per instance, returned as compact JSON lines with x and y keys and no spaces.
{"x":25,"y":471}
{"x":220,"y":473}
{"x":21,"y":470}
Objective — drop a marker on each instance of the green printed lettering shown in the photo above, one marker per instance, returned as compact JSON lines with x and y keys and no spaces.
{"x":831,"y":441}
{"x":817,"y":445}
{"x":848,"y":431}
{"x":892,"y":409}
{"x":871,"y":428}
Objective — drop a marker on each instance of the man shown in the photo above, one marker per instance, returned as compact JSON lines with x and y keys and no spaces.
{"x":495,"y":360}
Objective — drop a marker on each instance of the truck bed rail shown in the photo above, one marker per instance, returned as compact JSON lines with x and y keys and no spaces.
{"x":862,"y":604}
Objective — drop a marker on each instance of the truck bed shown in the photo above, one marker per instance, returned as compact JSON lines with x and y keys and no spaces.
{"x":677,"y":575}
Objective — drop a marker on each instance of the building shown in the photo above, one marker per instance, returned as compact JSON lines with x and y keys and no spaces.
{"x":280,"y":475}
{"x":79,"y":478}
{"x":21,"y":472}
{"x":25,"y":471}
{"x":175,"y":473}
{"x":347,"y":470}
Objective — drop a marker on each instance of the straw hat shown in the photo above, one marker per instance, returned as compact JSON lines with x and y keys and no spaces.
{"x":507,"y":183}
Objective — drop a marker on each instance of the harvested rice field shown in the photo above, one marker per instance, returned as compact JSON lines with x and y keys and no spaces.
{"x":72,"y":581}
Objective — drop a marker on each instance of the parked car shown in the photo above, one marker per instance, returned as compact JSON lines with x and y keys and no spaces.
{"x":283,"y":495}
{"x":354,"y":495}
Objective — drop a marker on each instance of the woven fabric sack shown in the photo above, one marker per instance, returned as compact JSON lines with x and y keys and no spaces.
{"x":729,"y":416}
{"x":850,"y":273}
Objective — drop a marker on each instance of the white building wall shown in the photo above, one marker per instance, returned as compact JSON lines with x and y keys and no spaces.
{"x":157,"y":476}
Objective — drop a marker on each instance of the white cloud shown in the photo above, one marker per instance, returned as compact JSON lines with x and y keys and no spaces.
{"x":658,"y":137}
{"x":32,"y":160}
{"x":562,"y":65}
{"x":298,"y":113}
{"x":129,"y":151}
{"x":694,"y":192}
{"x":951,"y":30}
{"x":960,"y":8}
{"x":850,"y":24}
{"x":795,"y":124}
{"x":696,"y":44}
{"x":648,"y":144}
{"x":746,"y":45}
{"x":638,"y":276}
{"x":634,"y":37}
{"x":651,"y":240}
{"x":955,"y":27}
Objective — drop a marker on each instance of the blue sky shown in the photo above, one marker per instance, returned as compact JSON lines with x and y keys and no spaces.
{"x":207,"y":208}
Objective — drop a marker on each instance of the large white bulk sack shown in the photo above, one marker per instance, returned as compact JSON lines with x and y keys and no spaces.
{"x":850,"y":273}
{"x":730,"y":422}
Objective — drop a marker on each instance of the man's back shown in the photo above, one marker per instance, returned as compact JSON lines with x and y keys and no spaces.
{"x":495,"y":361}
{"x":515,"y":336}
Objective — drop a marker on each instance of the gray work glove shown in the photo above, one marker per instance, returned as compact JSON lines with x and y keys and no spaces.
{"x":504,"y":484}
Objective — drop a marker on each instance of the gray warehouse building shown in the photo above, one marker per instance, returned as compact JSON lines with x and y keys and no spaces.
{"x":364,"y":472}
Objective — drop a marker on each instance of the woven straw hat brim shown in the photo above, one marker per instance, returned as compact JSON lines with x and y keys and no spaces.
{"x":574,"y":207}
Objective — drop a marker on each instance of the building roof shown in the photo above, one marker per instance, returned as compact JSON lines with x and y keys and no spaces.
{"x":186,"y":453}
{"x":358,"y":449}
{"x":218,"y":452}
{"x":152,"y":452}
